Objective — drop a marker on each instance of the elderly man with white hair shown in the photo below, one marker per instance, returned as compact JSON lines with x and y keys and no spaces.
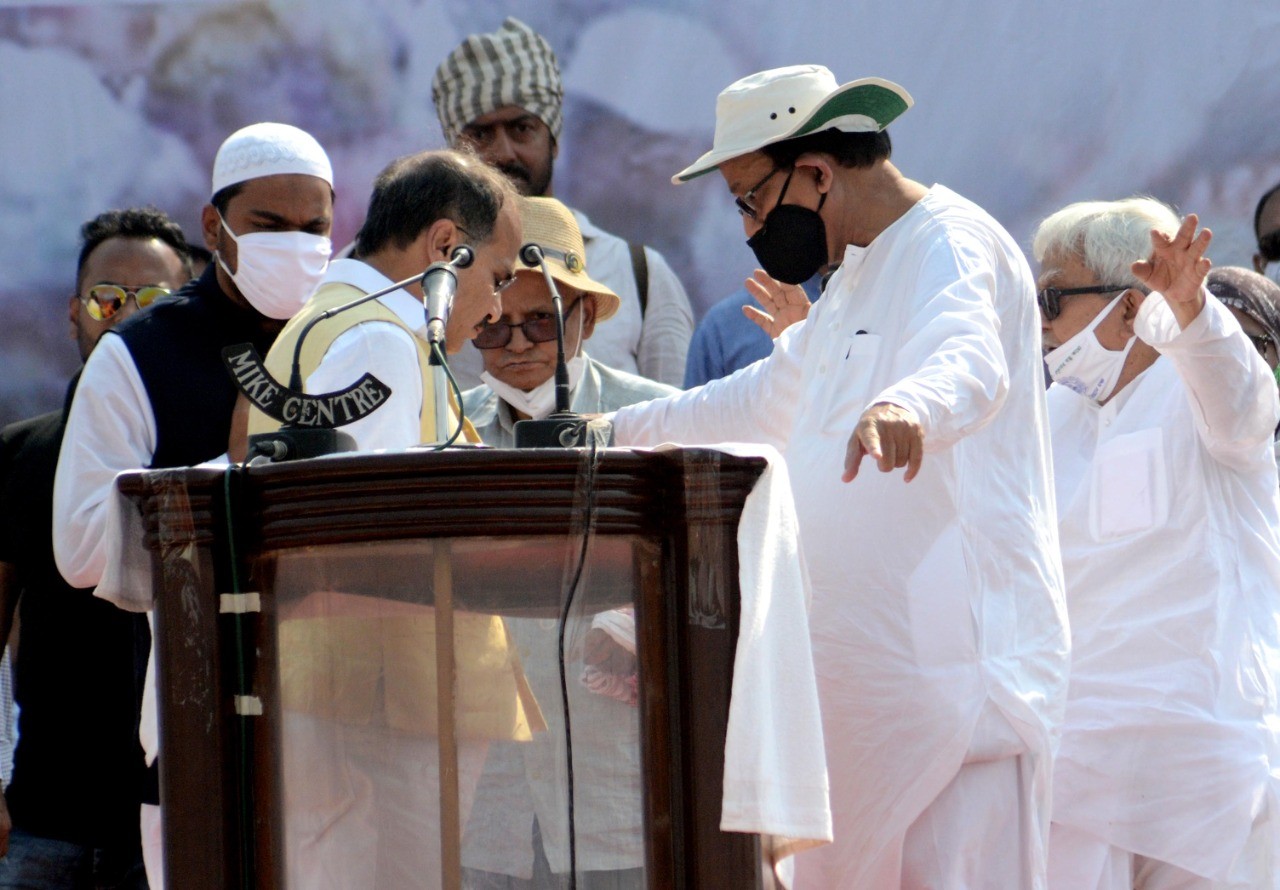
{"x":1162,"y":414}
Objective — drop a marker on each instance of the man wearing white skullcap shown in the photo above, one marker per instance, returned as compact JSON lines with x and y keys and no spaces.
{"x":501,"y":94}
{"x":154,"y":393}
{"x":938,"y":617}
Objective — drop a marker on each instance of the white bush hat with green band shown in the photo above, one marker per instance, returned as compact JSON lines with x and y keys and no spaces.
{"x":784,"y":103}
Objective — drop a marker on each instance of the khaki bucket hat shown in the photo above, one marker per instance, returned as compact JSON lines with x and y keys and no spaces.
{"x":550,"y":225}
{"x":785,"y":103}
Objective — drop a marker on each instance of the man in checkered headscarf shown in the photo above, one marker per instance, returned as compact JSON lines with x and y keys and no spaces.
{"x":500,"y":93}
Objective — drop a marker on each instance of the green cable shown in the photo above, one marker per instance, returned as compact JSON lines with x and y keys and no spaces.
{"x":457,"y":392}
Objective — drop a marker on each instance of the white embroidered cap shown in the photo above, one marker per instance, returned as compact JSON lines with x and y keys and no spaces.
{"x":269,"y":149}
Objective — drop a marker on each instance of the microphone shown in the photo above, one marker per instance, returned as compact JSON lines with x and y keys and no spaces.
{"x":440,"y":283}
{"x":563,"y":429}
{"x":532,"y":256}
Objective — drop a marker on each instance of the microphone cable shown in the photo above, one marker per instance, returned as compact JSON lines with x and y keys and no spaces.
{"x":588,"y":519}
{"x":438,"y":354}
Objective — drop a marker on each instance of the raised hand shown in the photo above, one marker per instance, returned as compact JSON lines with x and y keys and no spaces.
{"x":1177,"y":267}
{"x":784,"y":304}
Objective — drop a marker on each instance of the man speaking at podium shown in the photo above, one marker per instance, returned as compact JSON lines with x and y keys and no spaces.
{"x":358,"y":681}
{"x":938,"y":620}
{"x":423,"y":207}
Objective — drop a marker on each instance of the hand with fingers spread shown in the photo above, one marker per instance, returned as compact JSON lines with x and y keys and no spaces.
{"x":1177,"y":268}
{"x":784,"y":304}
{"x":890,"y":434}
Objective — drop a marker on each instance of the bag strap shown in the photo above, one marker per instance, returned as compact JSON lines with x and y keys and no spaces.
{"x":640,"y":268}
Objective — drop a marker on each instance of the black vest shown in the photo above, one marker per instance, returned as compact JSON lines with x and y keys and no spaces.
{"x":177,"y":348}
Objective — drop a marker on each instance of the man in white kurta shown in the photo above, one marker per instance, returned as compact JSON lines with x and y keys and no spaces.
{"x":938,"y":621}
{"x":1168,"y":523}
{"x":155,"y":393}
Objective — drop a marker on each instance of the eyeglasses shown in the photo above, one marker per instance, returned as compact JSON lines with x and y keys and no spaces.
{"x":103,"y":301}
{"x":744,"y":203}
{"x":499,"y":284}
{"x":1050,"y":298}
{"x":540,"y":328}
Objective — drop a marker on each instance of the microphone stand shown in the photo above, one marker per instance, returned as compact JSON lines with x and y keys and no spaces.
{"x":564,"y":428}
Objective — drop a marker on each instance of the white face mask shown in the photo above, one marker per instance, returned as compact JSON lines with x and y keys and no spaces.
{"x":278,"y":271}
{"x":1085,"y":365}
{"x":540,"y":401}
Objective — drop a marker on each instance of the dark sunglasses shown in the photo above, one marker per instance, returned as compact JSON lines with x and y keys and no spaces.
{"x":1050,"y":298}
{"x":104,"y":300}
{"x":541,"y":328}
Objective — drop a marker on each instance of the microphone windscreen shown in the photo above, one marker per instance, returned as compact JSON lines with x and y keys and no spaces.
{"x":462,"y":257}
{"x":531,"y":255}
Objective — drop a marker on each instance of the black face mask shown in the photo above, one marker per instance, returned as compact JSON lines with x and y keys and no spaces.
{"x":792,"y":243}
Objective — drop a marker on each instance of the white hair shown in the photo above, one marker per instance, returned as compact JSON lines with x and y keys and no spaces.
{"x":1107,"y":236}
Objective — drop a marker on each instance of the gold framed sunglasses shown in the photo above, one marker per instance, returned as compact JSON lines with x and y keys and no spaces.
{"x":103,"y":301}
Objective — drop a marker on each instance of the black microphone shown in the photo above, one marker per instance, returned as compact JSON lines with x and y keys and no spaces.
{"x":563,"y":429}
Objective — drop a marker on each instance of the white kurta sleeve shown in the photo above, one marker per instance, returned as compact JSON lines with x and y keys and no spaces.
{"x":110,"y":429}
{"x":756,"y":404}
{"x":387,"y":352}
{"x":955,"y":375}
{"x":1231,"y":389}
{"x":668,"y":325}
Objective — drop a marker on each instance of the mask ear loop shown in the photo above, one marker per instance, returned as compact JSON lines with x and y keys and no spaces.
{"x":217,"y":254}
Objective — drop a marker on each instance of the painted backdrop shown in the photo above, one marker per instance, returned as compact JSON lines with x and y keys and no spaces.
{"x":1020,"y":105}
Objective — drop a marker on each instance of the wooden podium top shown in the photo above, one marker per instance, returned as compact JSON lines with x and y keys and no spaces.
{"x":455,"y":493}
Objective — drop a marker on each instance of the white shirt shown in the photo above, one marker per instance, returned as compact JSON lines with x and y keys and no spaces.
{"x":933,"y":602}
{"x":654,"y":346}
{"x":110,"y":428}
{"x":382,"y":349}
{"x":1169,"y":518}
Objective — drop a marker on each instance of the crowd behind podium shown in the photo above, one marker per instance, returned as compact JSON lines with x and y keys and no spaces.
{"x":1045,"y":620}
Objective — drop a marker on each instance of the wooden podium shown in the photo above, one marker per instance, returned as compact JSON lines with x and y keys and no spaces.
{"x":247,"y":563}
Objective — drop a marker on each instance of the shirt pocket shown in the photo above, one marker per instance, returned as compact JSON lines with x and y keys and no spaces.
{"x":849,"y":372}
{"x":1129,"y":486}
